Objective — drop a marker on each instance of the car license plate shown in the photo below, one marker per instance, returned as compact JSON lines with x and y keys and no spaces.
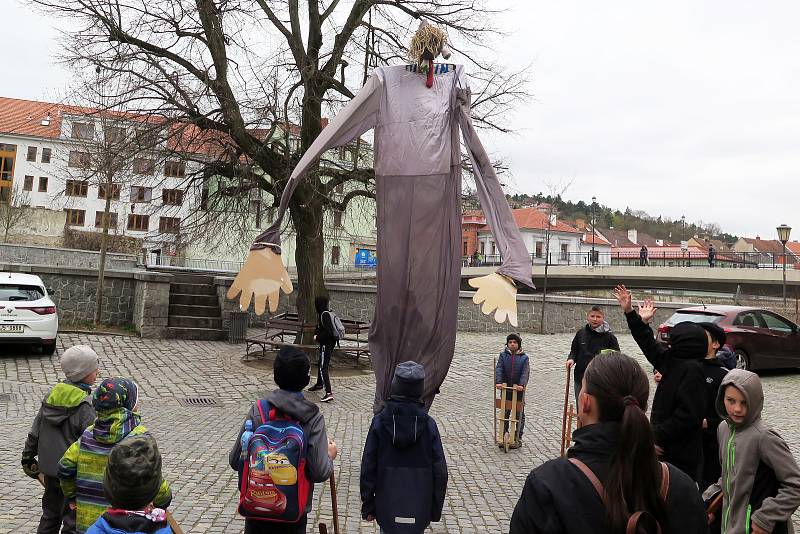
{"x":11,"y":328}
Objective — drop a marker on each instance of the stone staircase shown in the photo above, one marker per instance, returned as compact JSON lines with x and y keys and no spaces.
{"x":194,"y":311}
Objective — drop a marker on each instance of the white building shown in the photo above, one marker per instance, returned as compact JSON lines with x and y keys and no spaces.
{"x":565,"y":240}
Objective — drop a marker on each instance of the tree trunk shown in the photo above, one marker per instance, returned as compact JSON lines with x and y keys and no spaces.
{"x":101,"y":269}
{"x":309,"y":257}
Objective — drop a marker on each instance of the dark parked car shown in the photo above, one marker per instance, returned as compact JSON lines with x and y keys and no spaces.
{"x":761,"y":338}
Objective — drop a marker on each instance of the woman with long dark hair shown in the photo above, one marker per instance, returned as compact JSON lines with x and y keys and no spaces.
{"x":611,"y":473}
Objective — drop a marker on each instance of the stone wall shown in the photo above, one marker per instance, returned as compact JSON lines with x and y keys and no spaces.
{"x":74,"y":292}
{"x":151,"y":304}
{"x":562,"y":314}
{"x":63,"y":257}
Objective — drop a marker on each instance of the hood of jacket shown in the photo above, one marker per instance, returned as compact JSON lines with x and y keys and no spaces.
{"x":507,"y":352}
{"x":749,"y":385}
{"x":128,"y":524}
{"x":688,"y":341}
{"x":111,"y":426}
{"x":63,"y":401}
{"x":404,"y":421}
{"x":601,"y":329}
{"x":293,"y":404}
{"x":321,"y":304}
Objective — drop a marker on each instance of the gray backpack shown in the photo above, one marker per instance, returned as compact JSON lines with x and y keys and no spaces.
{"x":337,"y":326}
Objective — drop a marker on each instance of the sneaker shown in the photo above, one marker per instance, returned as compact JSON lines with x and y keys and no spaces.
{"x":316,"y":387}
{"x":328,"y":397}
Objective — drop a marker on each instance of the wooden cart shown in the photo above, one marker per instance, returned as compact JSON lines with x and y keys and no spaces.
{"x":506,"y":439}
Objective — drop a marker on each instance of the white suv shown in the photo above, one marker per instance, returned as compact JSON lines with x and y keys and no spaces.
{"x":27,"y":315}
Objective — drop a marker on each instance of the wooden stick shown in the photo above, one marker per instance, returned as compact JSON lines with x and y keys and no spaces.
{"x":715,"y":504}
{"x":334,"y":505}
{"x":176,"y":529}
{"x":494,"y":406}
{"x":564,"y":418}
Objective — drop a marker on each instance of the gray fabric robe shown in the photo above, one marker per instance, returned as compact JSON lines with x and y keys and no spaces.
{"x":418,"y":179}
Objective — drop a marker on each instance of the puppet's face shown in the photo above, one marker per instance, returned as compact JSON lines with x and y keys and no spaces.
{"x":281,"y":470}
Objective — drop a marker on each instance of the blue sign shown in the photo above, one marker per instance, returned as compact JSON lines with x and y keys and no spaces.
{"x":366,"y":258}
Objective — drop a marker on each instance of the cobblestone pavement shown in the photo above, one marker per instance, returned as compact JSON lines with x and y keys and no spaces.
{"x":484,"y":482}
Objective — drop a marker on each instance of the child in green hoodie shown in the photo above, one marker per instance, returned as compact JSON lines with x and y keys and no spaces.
{"x":760,"y":480}
{"x":64,"y":414}
{"x":83,"y":466}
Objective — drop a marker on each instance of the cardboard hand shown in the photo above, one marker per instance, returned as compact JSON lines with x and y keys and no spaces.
{"x":496,"y":292}
{"x":261,"y":278}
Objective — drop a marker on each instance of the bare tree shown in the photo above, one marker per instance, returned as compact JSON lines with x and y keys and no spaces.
{"x":555,"y":191}
{"x":14,"y":211}
{"x":233,"y":75}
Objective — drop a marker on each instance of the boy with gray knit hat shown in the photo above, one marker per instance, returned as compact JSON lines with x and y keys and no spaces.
{"x":65,"y":412}
{"x":403,"y":468}
{"x":130,"y":484}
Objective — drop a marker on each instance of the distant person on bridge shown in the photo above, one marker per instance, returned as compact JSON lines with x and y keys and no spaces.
{"x":643,"y":253}
{"x":588,"y":342}
{"x":712,"y":255}
{"x":680,"y":399}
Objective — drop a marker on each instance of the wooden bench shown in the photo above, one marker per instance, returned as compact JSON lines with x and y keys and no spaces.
{"x":288,"y":325}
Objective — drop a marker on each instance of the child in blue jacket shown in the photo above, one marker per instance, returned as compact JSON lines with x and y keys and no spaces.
{"x":512,"y":370}
{"x":403,"y":469}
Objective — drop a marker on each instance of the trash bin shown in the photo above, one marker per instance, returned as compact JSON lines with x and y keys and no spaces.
{"x":237,"y":330}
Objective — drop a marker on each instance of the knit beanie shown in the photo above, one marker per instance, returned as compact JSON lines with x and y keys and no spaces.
{"x":516,"y":338}
{"x":115,"y":393}
{"x":292,"y":370}
{"x":409,"y":381}
{"x":133,"y":473}
{"x":716,"y":331}
{"x":79,"y":361}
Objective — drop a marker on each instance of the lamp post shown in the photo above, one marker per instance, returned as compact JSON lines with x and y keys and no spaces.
{"x":594,"y":200}
{"x":783,"y":237}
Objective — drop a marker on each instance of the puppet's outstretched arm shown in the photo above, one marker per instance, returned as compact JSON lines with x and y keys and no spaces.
{"x":496,"y":291}
{"x":263,"y":273}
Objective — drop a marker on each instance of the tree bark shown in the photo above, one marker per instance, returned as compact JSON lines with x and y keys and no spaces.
{"x":309,"y":257}
{"x":101,"y":269}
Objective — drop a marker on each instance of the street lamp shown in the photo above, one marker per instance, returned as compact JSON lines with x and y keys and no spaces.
{"x":683,"y":223}
{"x":594,"y":201}
{"x":783,"y":237}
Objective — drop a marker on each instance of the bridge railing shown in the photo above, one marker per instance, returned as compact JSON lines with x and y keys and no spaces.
{"x":738,"y":260}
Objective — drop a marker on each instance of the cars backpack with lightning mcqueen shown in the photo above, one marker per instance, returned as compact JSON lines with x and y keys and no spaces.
{"x":274,"y":486}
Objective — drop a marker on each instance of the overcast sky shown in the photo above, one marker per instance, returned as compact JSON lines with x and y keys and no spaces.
{"x":685,"y":108}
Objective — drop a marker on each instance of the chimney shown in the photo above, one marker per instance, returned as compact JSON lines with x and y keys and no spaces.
{"x":323,"y":122}
{"x":553,"y":219}
{"x":633,"y":236}
{"x":580,"y":224}
{"x":660,"y":242}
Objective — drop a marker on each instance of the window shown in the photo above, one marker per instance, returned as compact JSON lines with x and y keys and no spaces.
{"x":344,"y":153}
{"x":270,"y":214}
{"x":337,"y":219}
{"x":465,"y":249}
{"x":43,"y":184}
{"x":115,"y":191}
{"x":750,"y":318}
{"x":335,"y":252}
{"x":112,"y":219}
{"x":139,"y":222}
{"x":169,"y":225}
{"x":175,"y":169}
{"x":82,"y":130}
{"x":20,"y":292}
{"x":255,"y":208}
{"x":564,"y":251}
{"x":144,"y":166}
{"x":79,"y":159}
{"x":46,"y":152}
{"x":539,"y":247}
{"x":483,"y":248}
{"x":77,"y":188}
{"x":114,"y":134}
{"x":494,"y":248}
{"x":28,"y":186}
{"x":75,"y":217}
{"x":146,"y":138}
{"x":777,"y":323}
{"x":141,"y":194}
{"x":6,"y":168}
{"x":172,"y":197}
{"x":31,"y":153}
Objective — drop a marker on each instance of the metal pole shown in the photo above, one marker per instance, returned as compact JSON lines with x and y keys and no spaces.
{"x":593,"y":203}
{"x":784,"y":276}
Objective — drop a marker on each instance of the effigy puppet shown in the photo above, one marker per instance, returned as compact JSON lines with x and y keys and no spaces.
{"x":418,"y":194}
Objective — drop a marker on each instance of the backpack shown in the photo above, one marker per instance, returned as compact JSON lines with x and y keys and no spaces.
{"x":633,"y":520}
{"x":274,"y":486}
{"x":336,"y":328}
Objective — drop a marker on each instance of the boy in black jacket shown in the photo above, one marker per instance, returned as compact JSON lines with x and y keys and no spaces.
{"x":679,"y":404}
{"x":590,"y":341}
{"x":714,"y":371}
{"x":403,"y":469}
{"x":323,"y":334}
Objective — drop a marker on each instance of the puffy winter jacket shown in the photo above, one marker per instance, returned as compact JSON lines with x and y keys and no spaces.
{"x":559,"y":499}
{"x":127,"y":524}
{"x":63,"y":416}
{"x":587,"y":344}
{"x":746,"y":449}
{"x":403,"y":469}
